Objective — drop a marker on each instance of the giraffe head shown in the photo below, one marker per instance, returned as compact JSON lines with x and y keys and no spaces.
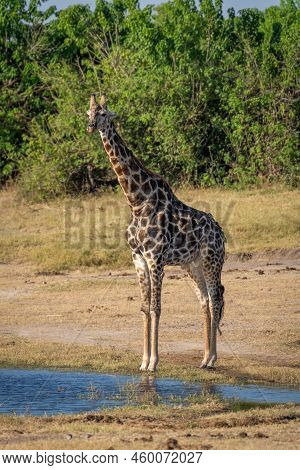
{"x":99,"y":115}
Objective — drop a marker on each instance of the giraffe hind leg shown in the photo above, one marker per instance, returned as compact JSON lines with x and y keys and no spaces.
{"x":196,"y":274}
{"x":212,"y":274}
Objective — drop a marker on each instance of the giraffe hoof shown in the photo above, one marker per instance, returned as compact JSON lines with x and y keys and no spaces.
{"x":144,"y":368}
{"x":211,"y":362}
{"x":203,"y":366}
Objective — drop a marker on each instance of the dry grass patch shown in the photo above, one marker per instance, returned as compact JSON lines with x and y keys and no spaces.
{"x":209,"y":425}
{"x":22,"y":353}
{"x":71,"y":233}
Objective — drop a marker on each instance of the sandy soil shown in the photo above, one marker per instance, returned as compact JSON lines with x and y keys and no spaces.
{"x":261,"y":314}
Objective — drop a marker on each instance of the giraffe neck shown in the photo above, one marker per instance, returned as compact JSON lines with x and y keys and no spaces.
{"x":135,"y":180}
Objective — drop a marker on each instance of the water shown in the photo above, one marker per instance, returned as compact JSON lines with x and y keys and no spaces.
{"x":39,"y":392}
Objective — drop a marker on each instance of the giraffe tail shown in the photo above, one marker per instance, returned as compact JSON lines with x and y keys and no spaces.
{"x":222,"y":289}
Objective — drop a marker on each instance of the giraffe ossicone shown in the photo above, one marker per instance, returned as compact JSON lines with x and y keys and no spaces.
{"x":164,"y":232}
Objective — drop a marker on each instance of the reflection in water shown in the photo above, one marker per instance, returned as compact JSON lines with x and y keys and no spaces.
{"x":147,"y":384}
{"x":140,"y":391}
{"x":52,"y":392}
{"x":147,"y":389}
{"x":208,"y":389}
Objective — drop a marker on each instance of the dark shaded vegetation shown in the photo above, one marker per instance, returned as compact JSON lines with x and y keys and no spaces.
{"x":201,"y":98}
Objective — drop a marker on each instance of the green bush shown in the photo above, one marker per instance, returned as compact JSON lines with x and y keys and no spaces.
{"x":59,"y":155}
{"x":201,"y":98}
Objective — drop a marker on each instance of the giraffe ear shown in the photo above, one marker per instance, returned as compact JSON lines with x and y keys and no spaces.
{"x":93,"y":101}
{"x":102,"y":101}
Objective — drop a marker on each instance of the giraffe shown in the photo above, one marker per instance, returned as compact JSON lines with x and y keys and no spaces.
{"x":164,"y":232}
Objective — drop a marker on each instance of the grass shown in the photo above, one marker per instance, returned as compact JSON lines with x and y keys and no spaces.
{"x":22,"y":353}
{"x":211,"y":424}
{"x":89,"y":231}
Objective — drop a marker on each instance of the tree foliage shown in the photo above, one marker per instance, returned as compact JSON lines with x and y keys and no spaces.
{"x":201,"y":97}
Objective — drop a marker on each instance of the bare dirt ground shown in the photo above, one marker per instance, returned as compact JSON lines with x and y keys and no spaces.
{"x":97,"y":309}
{"x":261,"y":318}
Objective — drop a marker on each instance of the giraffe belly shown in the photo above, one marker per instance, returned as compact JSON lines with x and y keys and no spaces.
{"x":178,"y":256}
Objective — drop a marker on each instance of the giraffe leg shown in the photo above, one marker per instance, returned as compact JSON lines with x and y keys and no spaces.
{"x":212,"y":275}
{"x":215,"y":292}
{"x":156,"y":276}
{"x":144,"y":281}
{"x":195,"y":272}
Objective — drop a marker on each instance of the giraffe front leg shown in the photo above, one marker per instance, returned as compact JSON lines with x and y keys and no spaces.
{"x":146,"y":354}
{"x":156,"y":275}
{"x":144,"y":281}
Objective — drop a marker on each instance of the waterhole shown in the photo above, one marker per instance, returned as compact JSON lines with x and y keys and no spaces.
{"x":50,"y":392}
